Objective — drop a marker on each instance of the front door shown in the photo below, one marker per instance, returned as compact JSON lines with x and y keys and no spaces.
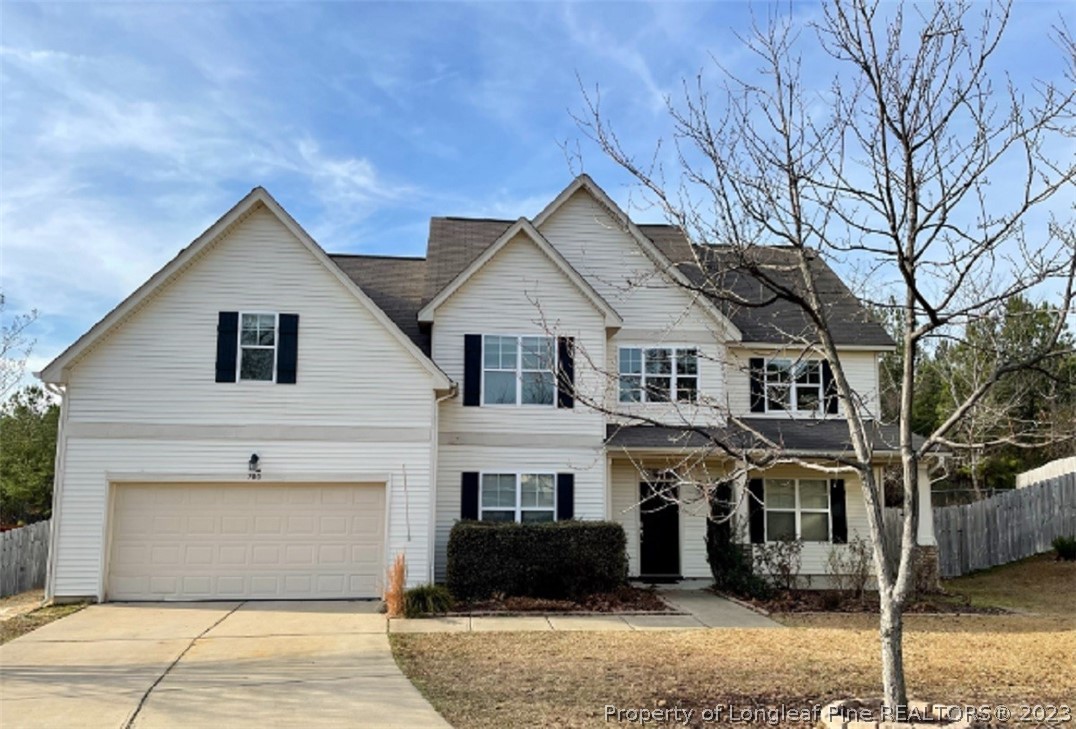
{"x":659,"y":531}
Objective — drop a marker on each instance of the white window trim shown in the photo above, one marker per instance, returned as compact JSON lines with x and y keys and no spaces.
{"x":519,"y":373}
{"x":240,"y":346}
{"x":799,"y":510}
{"x":519,"y":493}
{"x":675,"y":349}
{"x":792,"y":387}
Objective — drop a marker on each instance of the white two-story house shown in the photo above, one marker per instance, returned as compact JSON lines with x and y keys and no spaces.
{"x":262,"y":419}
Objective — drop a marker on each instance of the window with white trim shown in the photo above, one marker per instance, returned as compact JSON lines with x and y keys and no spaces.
{"x":518,"y":370}
{"x":257,"y":347}
{"x":797,"y":508}
{"x":794,"y":386}
{"x":659,"y":374}
{"x":522,"y":497}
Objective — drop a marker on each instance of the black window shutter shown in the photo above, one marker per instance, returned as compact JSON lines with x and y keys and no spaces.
{"x":469,"y":495}
{"x":838,"y":511}
{"x":829,"y":388}
{"x":756,"y":510}
{"x":757,"y":366}
{"x":565,"y":372}
{"x":227,"y":344}
{"x":565,"y":496}
{"x":472,"y":369}
{"x":287,"y":352}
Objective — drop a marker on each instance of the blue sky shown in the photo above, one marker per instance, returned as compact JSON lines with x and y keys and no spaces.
{"x":128,"y":128}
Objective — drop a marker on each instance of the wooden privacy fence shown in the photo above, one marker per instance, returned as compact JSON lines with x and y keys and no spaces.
{"x":1005,"y":528}
{"x":24,"y":558}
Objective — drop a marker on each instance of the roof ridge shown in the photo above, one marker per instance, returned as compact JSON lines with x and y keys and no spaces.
{"x":477,"y":220}
{"x":388,"y":256}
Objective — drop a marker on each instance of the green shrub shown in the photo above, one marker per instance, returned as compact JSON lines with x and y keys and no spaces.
{"x":427,"y":599}
{"x":1066,"y":548}
{"x":556,"y":560}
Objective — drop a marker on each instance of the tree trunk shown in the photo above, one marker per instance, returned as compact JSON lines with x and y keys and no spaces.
{"x":895,"y":692}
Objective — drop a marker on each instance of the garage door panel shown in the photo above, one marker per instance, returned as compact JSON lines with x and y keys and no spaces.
{"x":235,"y":541}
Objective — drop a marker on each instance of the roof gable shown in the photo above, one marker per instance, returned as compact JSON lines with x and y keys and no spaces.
{"x":656,"y":254}
{"x":256,"y":199}
{"x":529,"y":231}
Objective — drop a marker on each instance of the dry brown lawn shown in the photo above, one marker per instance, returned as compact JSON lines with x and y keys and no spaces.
{"x":567,"y":679}
{"x":13,"y":627}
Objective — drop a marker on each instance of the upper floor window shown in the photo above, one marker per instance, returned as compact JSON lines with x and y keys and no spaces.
{"x":659,"y":374}
{"x":518,"y":370}
{"x":793,"y":385}
{"x":257,"y":347}
{"x":523,"y":497}
{"x":797,"y":509}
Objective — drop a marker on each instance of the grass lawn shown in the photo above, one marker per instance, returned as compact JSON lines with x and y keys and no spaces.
{"x":567,"y":679}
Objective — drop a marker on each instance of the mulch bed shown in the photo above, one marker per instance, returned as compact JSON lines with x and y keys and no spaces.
{"x":623,"y":600}
{"x":832,"y":601}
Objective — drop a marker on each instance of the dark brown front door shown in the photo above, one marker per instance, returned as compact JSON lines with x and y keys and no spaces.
{"x":659,"y":531}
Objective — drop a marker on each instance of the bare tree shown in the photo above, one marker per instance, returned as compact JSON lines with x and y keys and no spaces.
{"x":914,"y":162}
{"x":15,"y":347}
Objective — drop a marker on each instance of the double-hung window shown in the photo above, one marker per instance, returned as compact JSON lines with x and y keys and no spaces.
{"x":518,"y":370}
{"x":793,"y":386}
{"x":522,"y":497}
{"x":659,"y":374}
{"x":797,"y":509}
{"x":257,"y":347}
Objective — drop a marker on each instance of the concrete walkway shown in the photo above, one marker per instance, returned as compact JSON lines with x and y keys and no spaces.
{"x":701,"y":610}
{"x":235,"y":665}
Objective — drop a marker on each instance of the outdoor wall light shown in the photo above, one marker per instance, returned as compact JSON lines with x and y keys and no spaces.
{"x":252,"y":464}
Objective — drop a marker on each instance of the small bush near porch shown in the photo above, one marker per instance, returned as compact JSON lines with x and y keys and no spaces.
{"x":556,"y":560}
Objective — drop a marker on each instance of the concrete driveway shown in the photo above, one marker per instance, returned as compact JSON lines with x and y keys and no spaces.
{"x":252,"y":664}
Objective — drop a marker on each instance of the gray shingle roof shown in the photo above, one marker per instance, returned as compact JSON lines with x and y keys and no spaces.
{"x":817,"y":437}
{"x":402,"y":286}
{"x":395,"y":284}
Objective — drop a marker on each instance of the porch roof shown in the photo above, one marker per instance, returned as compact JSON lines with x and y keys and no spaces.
{"x":813,"y":437}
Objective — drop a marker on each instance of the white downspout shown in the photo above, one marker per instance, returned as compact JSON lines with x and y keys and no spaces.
{"x":57,"y":490}
{"x":435,"y":438}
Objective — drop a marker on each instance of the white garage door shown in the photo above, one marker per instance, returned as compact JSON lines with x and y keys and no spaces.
{"x":249,"y":541}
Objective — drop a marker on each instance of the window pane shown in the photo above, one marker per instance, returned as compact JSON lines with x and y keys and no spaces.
{"x":658,"y":362}
{"x":530,"y":516}
{"x":498,"y":490}
{"x":780,"y":525}
{"x":687,"y":362}
{"x":500,"y":388}
{"x":248,"y":336}
{"x":267,"y":337}
{"x":498,"y":516}
{"x":256,"y":364}
{"x":657,"y":389}
{"x":777,"y":397}
{"x":814,"y":494}
{"x":631,"y":388}
{"x":777,"y":370}
{"x":808,"y":398}
{"x":814,"y":527}
{"x":537,"y":353}
{"x":491,"y":352}
{"x":687,"y":389}
{"x":780,"y":493}
{"x":536,"y":490}
{"x":537,"y":388}
{"x":808,"y":372}
{"x":631,"y":361}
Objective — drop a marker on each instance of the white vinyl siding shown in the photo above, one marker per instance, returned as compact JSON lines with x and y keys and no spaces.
{"x":350,"y":369}
{"x":142,"y":402}
{"x":521,"y":292}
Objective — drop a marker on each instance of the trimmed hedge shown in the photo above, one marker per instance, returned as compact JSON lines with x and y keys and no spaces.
{"x":556,"y":560}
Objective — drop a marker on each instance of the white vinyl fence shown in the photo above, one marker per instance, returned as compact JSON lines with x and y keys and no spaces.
{"x":24,"y":558}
